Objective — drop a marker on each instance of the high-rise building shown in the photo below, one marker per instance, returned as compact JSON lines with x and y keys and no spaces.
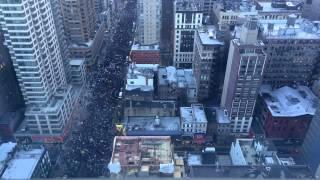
{"x":208,"y":7}
{"x":311,"y":147}
{"x":83,"y":31}
{"x":187,"y":19}
{"x":166,"y":33}
{"x":149,"y":21}
{"x":64,"y":45}
{"x":292,"y":47}
{"x":243,"y":77}
{"x":31,"y":38}
{"x":311,"y":10}
{"x":207,"y":59}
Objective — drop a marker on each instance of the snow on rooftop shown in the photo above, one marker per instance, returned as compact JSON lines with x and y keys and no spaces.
{"x":76,"y":62}
{"x":194,"y":159}
{"x":140,"y":78}
{"x":302,"y":29}
{"x":171,"y":74}
{"x":222,"y":116}
{"x":289,"y":102}
{"x":136,"y":47}
{"x":208,"y":37}
{"x":195,"y":113}
{"x":23,"y":164}
{"x":5,"y":149}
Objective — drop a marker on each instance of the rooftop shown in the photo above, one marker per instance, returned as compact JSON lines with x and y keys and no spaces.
{"x":23,"y":164}
{"x":153,"y":126}
{"x":208,"y":36}
{"x":222,"y":116}
{"x":131,"y":153}
{"x":5,"y":150}
{"x":290,"y":29}
{"x":140,"y":78}
{"x":151,"y":104}
{"x":183,"y":78}
{"x":195,"y":113}
{"x":138,"y":47}
{"x":187,"y":5}
{"x":267,"y":6}
{"x":76,"y":62}
{"x":289,"y":102}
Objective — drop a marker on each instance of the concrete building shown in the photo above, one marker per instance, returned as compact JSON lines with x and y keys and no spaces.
{"x":62,"y":39}
{"x":292,"y":47}
{"x":193,"y":120}
{"x":234,"y":12}
{"x":83,"y":32}
{"x":187,"y":19}
{"x":23,"y":162}
{"x":174,"y":84}
{"x":36,"y":56}
{"x":310,"y":147}
{"x":311,"y":10}
{"x":77,"y":71}
{"x":153,"y":126}
{"x":166,"y":33}
{"x":208,"y":60}
{"x":208,"y":7}
{"x":140,"y":82}
{"x":286,"y":113}
{"x":148,"y":21}
{"x":223,"y":130}
{"x":144,"y":155}
{"x":245,"y":67}
{"x":253,"y":152}
{"x":145,"y":54}
{"x":150,"y":108}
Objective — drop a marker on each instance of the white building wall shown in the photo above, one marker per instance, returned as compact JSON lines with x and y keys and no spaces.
{"x":149,"y":21}
{"x":31,"y":37}
{"x":180,"y":25}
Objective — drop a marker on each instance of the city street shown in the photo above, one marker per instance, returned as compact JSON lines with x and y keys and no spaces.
{"x":88,"y":149}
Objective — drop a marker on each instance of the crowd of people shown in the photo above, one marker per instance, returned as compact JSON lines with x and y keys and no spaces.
{"x":88,"y":150}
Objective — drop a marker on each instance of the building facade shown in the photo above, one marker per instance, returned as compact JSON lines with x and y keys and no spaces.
{"x":31,"y":38}
{"x":310,"y":149}
{"x":193,"y":120}
{"x":176,"y":84}
{"x":166,"y":33}
{"x":149,"y":21}
{"x":311,"y":10}
{"x":187,"y":19}
{"x":145,"y":54}
{"x":243,"y":77}
{"x":286,"y":113}
{"x":292,"y":47}
{"x":207,"y":62}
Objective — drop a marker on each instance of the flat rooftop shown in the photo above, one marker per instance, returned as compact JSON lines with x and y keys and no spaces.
{"x":135,"y":152}
{"x":299,"y":29}
{"x":151,"y":104}
{"x":222,"y":116}
{"x":23,"y":164}
{"x":208,"y":36}
{"x":289,"y":102}
{"x":189,"y":5}
{"x":182,"y":77}
{"x":5,"y":150}
{"x":140,"y":78}
{"x":76,"y":62}
{"x":153,"y":126}
{"x":267,"y":6}
{"x":138,"y":47}
{"x":195,"y":113}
